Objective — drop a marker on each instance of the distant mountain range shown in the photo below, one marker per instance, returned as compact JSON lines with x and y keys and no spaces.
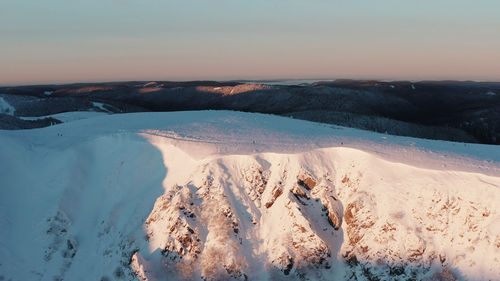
{"x":463,"y":111}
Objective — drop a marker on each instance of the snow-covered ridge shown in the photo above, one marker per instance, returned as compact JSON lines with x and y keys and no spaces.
{"x":225,"y":195}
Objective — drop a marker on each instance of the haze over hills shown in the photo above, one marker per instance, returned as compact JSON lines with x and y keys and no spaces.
{"x":447,"y":110}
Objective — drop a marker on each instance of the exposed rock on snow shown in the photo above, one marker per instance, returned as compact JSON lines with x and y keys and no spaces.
{"x":206,"y":227}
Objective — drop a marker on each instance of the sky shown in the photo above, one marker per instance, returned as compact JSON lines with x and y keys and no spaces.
{"x":59,"y":41}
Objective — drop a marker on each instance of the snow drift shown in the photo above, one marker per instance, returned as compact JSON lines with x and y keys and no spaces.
{"x":223,"y":195}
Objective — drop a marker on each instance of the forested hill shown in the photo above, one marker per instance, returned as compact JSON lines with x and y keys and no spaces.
{"x":446,"y":110}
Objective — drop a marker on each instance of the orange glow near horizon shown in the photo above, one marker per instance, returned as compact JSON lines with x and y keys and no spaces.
{"x":230,"y":40}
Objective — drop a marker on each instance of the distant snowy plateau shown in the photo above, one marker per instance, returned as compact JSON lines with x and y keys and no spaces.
{"x":222,"y":195}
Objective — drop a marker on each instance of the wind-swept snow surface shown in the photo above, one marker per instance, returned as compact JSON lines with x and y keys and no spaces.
{"x":225,"y":195}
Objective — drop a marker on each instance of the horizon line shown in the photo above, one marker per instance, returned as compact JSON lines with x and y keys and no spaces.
{"x":61,"y":83}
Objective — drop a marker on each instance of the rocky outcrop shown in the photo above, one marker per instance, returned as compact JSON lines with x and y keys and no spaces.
{"x":216,"y":226}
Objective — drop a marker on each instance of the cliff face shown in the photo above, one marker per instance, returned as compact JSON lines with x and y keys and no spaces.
{"x":239,"y":215}
{"x":328,"y":213}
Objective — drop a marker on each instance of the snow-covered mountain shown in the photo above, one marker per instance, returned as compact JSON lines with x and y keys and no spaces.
{"x":221,"y":195}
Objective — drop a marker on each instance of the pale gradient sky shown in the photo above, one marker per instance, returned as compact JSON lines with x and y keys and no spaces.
{"x":106,"y":40}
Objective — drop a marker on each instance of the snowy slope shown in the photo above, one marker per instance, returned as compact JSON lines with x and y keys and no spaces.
{"x":6,"y":108}
{"x":71,"y":116}
{"x":227,"y":195}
